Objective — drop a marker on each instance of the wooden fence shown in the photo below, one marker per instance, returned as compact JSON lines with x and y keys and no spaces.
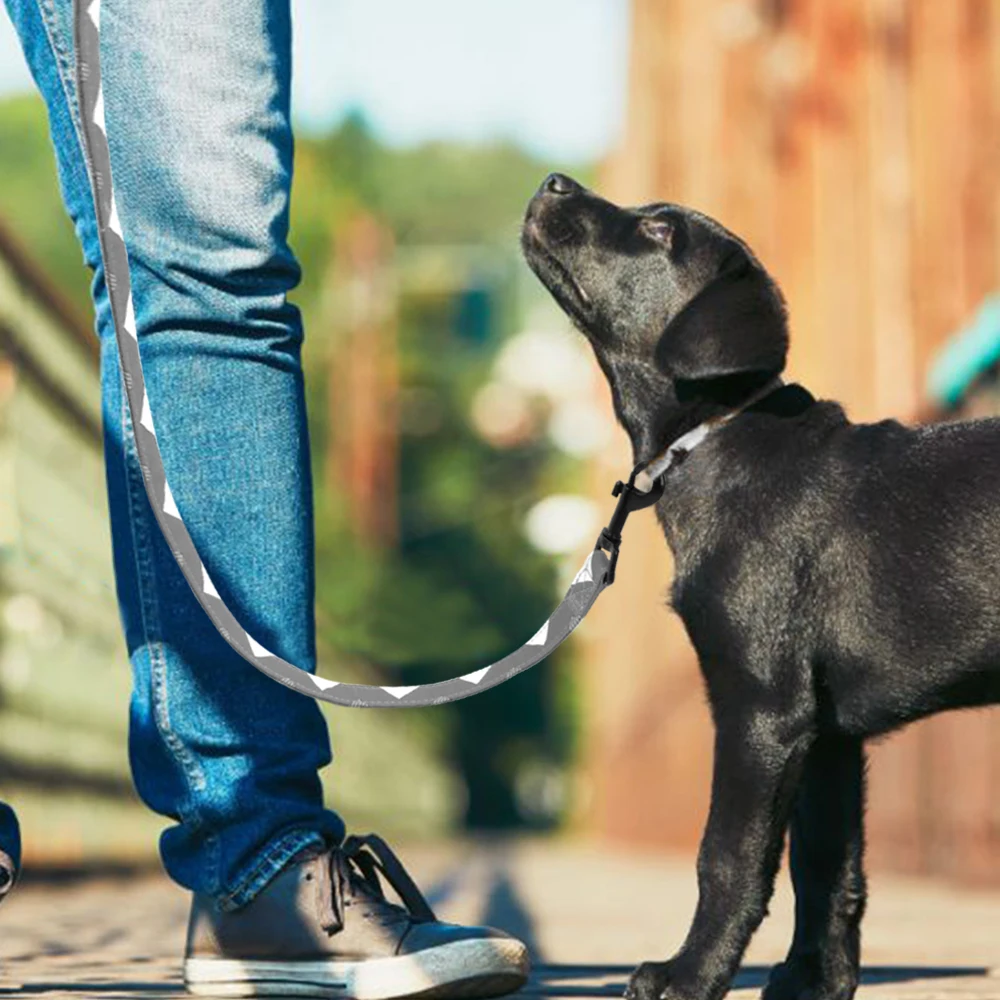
{"x":856,"y":145}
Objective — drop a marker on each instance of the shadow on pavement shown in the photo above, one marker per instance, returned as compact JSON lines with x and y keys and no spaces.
{"x":442,"y":890}
{"x":610,"y":980}
{"x":504,"y":907}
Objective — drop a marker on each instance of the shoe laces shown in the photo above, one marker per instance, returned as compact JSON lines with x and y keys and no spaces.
{"x":355,"y":869}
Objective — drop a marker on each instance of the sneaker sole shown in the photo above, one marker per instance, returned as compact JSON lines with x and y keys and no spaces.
{"x":461,"y":970}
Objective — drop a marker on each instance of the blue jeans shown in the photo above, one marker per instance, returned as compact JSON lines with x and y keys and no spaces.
{"x":197,"y":110}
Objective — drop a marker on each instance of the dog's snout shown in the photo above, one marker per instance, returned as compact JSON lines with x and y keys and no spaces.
{"x":559,"y":184}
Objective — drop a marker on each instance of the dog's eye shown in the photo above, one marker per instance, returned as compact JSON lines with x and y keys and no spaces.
{"x":659,"y":228}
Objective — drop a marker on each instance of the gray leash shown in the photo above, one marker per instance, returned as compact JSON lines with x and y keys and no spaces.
{"x":597,"y":572}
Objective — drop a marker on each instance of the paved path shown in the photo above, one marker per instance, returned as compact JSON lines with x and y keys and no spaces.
{"x":589,"y":914}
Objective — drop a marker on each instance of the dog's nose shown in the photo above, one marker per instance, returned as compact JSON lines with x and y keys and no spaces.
{"x":559,"y":184}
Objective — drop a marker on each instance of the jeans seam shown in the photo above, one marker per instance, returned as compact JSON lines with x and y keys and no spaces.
{"x":149,"y":608}
{"x":268,"y":864}
{"x":65,"y":69}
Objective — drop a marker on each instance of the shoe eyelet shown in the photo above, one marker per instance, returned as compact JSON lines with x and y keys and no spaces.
{"x":309,"y":877}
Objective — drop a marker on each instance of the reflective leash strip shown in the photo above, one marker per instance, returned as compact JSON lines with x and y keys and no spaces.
{"x":589,"y":582}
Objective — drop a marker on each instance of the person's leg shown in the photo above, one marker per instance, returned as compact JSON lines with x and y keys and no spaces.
{"x":196,"y":106}
{"x":197,"y":111}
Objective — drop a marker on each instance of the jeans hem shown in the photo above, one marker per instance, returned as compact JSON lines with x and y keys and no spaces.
{"x":264,"y":868}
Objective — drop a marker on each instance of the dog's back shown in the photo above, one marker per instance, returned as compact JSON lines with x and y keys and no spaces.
{"x":869,"y":552}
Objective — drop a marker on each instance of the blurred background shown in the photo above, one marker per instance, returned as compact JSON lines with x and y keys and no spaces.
{"x":463,"y":444}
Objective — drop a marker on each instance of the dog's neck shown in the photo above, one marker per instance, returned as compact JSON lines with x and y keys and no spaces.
{"x":688,"y":441}
{"x":658,"y":413}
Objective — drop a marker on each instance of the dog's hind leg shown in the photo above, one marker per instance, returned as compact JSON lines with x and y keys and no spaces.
{"x":827,"y":846}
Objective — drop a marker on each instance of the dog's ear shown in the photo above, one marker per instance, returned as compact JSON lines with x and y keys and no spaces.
{"x":735,"y":326}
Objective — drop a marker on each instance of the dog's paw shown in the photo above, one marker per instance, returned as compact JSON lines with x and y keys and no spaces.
{"x":651,"y":981}
{"x":791,"y":980}
{"x":800,"y":978}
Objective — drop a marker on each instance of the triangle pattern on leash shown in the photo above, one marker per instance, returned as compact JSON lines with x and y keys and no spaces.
{"x":129,"y":323}
{"x":169,"y":507}
{"x":207,"y":586}
{"x":99,"y":112}
{"x":147,"y":416}
{"x":256,"y":648}
{"x":540,"y":637}
{"x":476,"y":676}
{"x":400,"y":692}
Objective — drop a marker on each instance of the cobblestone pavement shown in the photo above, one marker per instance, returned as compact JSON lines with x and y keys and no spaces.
{"x":589,"y":914}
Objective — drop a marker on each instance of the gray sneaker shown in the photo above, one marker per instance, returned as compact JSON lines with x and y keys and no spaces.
{"x":324,"y":927}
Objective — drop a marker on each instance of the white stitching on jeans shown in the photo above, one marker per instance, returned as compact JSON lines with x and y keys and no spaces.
{"x":64,"y":68}
{"x":150,"y":611}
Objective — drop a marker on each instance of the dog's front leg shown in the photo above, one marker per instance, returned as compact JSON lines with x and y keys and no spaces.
{"x":756,"y":774}
{"x":827,"y":846}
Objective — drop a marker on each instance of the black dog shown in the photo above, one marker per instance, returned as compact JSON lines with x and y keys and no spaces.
{"x":836,"y":580}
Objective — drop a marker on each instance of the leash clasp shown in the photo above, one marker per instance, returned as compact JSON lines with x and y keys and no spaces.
{"x":630,"y":498}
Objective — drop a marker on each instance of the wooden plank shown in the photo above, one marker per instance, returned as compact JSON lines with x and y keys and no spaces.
{"x":940,"y":154}
{"x":842,"y":250}
{"x":794,"y":164}
{"x":895,"y":390}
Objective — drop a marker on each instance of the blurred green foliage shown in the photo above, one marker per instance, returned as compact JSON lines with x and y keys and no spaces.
{"x":29,"y":196}
{"x":461,"y":587}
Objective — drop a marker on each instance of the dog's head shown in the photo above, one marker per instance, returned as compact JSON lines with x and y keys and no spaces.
{"x":678,"y":310}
